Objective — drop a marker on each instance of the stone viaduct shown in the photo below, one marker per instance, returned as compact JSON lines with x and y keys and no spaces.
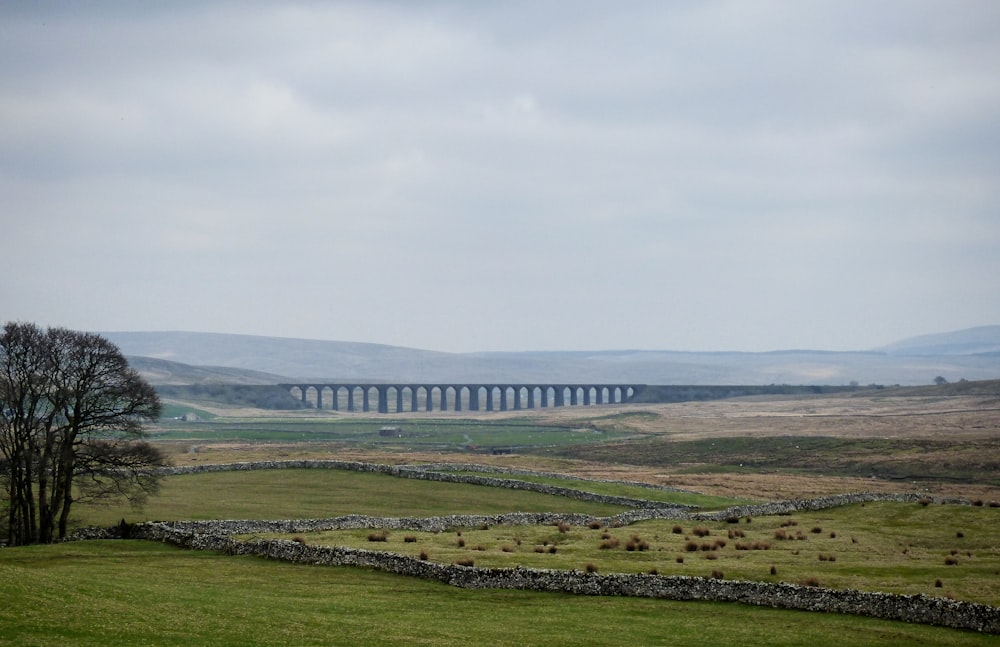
{"x":399,"y":398}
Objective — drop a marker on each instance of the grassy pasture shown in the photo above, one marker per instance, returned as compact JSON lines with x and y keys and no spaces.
{"x":320,"y":493}
{"x":143,"y":593}
{"x":891,"y":547}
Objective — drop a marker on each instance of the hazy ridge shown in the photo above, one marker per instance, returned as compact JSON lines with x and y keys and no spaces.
{"x":194,"y":358}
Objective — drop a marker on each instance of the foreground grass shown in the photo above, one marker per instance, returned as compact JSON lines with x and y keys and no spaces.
{"x":891,"y":547}
{"x":320,"y":493}
{"x":143,"y":593}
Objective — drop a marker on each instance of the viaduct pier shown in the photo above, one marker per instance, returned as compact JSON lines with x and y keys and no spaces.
{"x":400,"y":398}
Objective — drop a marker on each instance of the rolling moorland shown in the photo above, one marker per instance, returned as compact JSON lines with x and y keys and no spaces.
{"x":940,"y":443}
{"x":972,"y":354}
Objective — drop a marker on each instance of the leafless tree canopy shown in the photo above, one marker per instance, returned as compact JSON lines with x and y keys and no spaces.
{"x":73,"y":419}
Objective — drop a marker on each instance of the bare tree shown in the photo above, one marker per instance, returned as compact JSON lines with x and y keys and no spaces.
{"x":74,"y":416}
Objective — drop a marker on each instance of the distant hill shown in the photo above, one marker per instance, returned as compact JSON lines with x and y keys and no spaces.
{"x":163,"y":372}
{"x":981,"y":340}
{"x":247,"y":359}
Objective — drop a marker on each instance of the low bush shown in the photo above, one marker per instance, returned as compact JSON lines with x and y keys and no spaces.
{"x":701,"y":531}
{"x":381,"y":535}
{"x":465,"y":562}
{"x":810,"y":581}
{"x":611,"y":542}
{"x":591,"y":568}
{"x":678,"y":530}
{"x":409,"y":539}
{"x":718,"y":575}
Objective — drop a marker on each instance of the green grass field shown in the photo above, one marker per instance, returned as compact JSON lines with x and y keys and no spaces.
{"x":890,"y":547}
{"x":321,"y":493}
{"x":144,"y":593}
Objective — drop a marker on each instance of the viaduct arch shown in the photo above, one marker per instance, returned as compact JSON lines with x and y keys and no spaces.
{"x":408,"y":397}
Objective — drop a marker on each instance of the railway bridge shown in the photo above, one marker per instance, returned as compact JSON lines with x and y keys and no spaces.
{"x":400,"y":398}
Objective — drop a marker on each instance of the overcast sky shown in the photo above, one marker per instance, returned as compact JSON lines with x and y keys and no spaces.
{"x":544,"y":175}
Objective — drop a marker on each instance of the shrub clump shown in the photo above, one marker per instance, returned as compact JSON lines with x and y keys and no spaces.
{"x":381,"y":535}
{"x":636,"y":543}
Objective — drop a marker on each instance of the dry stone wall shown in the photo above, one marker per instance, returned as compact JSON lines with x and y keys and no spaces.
{"x":218,"y":535}
{"x":908,"y":608}
{"x":642,"y":508}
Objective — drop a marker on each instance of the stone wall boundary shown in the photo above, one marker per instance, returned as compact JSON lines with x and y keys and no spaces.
{"x":918,"y":608}
{"x":643,"y":509}
{"x":513,"y":471}
{"x":407,"y":471}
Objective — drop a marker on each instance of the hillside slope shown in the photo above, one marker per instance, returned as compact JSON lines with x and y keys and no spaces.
{"x":282,"y":360}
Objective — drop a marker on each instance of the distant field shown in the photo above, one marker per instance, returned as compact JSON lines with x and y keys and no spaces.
{"x":414,"y":435}
{"x":143,"y":593}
